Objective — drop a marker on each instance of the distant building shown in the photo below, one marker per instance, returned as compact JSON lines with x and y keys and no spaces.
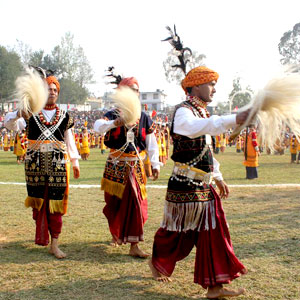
{"x":95,"y":103}
{"x":154,"y":100}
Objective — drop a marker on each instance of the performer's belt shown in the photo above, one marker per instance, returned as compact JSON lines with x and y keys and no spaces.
{"x":121,"y":156}
{"x":46,"y":146}
{"x":126,"y":158}
{"x":192,"y":173}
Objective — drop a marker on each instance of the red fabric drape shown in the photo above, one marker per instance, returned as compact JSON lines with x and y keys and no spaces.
{"x":215,"y":261}
{"x":127,"y":216}
{"x":46,"y":222}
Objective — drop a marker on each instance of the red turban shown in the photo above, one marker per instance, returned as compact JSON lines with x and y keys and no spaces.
{"x":129,"y":81}
{"x":53,"y":79}
{"x":197,"y":76}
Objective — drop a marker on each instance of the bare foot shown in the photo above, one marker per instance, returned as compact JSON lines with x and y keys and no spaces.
{"x":137,"y":252}
{"x":157,"y":275}
{"x":114,"y":243}
{"x":219,"y":291}
{"x":57,"y":253}
{"x":55,"y":250}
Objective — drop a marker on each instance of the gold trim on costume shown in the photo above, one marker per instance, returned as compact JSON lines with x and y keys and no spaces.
{"x":34,"y":202}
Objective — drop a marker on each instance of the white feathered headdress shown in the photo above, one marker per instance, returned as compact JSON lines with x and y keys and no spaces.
{"x":275,"y":107}
{"x":128,"y":104}
{"x":125,"y":98}
{"x":31,"y":91}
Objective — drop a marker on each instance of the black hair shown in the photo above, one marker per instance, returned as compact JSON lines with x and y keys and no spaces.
{"x":189,"y":90}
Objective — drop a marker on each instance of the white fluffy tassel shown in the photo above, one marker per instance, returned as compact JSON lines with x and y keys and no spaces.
{"x":32,"y":92}
{"x":128,"y":103}
{"x":276,"y":106}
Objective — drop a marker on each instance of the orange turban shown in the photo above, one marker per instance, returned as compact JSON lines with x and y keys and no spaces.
{"x":53,"y":79}
{"x":129,"y":81}
{"x":197,"y":76}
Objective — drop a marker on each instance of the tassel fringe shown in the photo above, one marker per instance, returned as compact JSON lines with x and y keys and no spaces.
{"x":143,"y":191}
{"x":188,"y":216}
{"x":34,"y":202}
{"x":112,"y":188}
{"x":117,"y":189}
{"x":56,"y":206}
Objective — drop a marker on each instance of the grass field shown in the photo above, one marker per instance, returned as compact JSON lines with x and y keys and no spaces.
{"x":264,"y":225}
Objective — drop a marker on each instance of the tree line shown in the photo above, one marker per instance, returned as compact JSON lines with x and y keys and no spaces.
{"x":68,"y":60}
{"x":75,"y":73}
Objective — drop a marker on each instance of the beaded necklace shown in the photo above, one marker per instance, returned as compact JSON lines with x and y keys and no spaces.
{"x":199,"y":104}
{"x":50,"y":106}
{"x":43,"y":120}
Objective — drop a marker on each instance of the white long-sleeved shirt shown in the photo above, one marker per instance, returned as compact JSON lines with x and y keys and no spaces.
{"x":187,"y":124}
{"x":12,"y":122}
{"x":102,"y":126}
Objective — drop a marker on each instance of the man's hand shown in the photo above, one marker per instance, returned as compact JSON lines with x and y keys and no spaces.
{"x":242,"y":116}
{"x":223,"y":189}
{"x":155,"y":173}
{"x":119,"y":122}
{"x":22,"y":114}
{"x":76,"y":172}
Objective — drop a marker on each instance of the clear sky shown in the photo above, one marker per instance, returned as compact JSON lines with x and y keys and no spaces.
{"x":238,"y":37}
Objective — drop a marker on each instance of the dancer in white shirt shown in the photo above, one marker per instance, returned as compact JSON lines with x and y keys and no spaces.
{"x":51,"y":146}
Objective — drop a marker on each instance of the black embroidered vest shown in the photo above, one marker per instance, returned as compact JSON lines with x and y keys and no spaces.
{"x":46,"y":165}
{"x":186,"y":149}
{"x":116,"y":137}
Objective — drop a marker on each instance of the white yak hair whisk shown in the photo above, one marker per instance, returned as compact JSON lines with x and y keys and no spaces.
{"x":128,"y":104}
{"x":31,"y":91}
{"x":275,"y":107}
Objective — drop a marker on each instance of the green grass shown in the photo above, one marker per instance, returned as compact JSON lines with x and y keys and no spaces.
{"x":264,"y":226}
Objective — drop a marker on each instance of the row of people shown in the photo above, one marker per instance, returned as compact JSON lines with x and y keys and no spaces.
{"x":15,"y":142}
{"x":85,"y":140}
{"x":193,"y":214}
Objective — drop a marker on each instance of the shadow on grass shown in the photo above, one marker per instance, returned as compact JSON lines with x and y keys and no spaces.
{"x":287,"y":249}
{"x":100,"y":251}
{"x":262,"y":231}
{"x":127,"y":287}
{"x":26,"y":252}
{"x":273,"y":215}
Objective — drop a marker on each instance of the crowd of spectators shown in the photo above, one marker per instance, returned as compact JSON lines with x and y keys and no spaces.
{"x":87,"y":118}
{"x":2,"y":114}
